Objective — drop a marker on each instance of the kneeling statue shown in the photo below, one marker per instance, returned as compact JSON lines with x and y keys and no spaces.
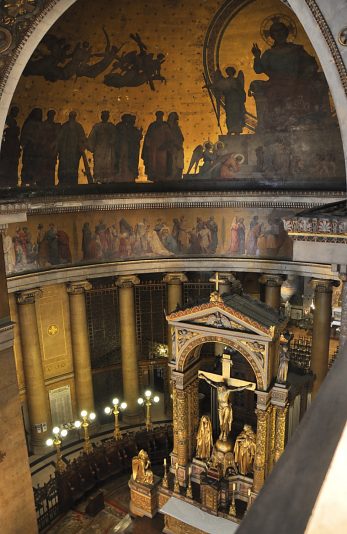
{"x":141,"y":467}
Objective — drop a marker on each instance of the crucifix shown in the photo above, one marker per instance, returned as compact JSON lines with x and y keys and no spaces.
{"x":216,"y":280}
{"x":225,"y":386}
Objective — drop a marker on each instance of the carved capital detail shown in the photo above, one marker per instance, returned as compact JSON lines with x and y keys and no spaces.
{"x":29,"y":296}
{"x":272,"y":280}
{"x":76,"y":288}
{"x":324,"y":286}
{"x":127,"y":281}
{"x":175,"y":278}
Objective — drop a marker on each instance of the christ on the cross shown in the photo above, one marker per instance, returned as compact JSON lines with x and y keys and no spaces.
{"x":225,"y":410}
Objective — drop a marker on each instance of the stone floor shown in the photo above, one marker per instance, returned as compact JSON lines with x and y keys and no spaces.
{"x":114,"y":518}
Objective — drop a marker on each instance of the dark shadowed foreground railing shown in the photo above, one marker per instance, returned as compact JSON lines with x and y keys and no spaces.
{"x":285,"y":504}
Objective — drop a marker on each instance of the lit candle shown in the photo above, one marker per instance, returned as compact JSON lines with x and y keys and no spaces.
{"x":164,"y":462}
{"x":176,"y":466}
{"x":249,"y":492}
{"x":189,"y":470}
{"x":234,"y":486}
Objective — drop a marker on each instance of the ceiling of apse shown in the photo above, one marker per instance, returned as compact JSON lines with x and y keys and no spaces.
{"x":110,"y":37}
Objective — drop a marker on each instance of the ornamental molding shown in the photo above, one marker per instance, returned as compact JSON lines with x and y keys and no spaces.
{"x":185,"y":199}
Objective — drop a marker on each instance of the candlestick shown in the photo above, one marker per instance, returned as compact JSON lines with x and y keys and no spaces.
{"x":189,"y":493}
{"x":165,"y":482}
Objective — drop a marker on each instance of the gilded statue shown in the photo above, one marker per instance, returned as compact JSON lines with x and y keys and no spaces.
{"x":204,"y":440}
{"x":225,"y":411}
{"x":282,"y":372}
{"x":244,"y":450}
{"x":141,"y":467}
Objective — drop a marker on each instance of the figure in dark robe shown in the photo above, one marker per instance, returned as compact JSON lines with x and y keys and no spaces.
{"x":127,"y":152}
{"x":213,"y":227}
{"x":31,"y":142}
{"x":10,"y":150}
{"x":86,"y":240}
{"x":51,"y":237}
{"x":175,"y":152}
{"x":102,"y":142}
{"x":71,"y":144}
{"x":50,"y":133}
{"x":155,"y":149}
{"x":231,"y":94}
{"x":294,"y":80}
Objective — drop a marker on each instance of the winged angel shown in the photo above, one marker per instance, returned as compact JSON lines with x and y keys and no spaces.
{"x":229,"y":92}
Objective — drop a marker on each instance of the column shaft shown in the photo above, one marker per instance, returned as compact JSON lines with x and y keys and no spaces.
{"x":80,"y":346}
{"x":272,"y":290}
{"x":281,"y":416}
{"x":182,"y":427}
{"x":343,"y":328}
{"x":36,"y":393}
{"x":129,"y":345}
{"x":260,"y":453}
{"x":321,"y":332}
{"x":174,"y":297}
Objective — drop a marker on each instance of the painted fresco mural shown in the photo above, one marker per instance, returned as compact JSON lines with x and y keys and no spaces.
{"x":48,"y":241}
{"x":122,"y":92}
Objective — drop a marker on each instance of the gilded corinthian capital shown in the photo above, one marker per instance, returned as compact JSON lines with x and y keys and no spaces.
{"x":127,"y":281}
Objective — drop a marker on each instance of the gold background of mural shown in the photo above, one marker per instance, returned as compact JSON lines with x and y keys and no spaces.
{"x":174,"y":28}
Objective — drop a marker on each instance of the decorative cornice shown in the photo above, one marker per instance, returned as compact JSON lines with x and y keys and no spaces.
{"x":220,"y":305}
{"x":324,"y":286}
{"x":29,"y":296}
{"x":76,"y":288}
{"x":272,"y":280}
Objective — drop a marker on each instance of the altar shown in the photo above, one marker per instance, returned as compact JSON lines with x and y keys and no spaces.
{"x":222,"y":455}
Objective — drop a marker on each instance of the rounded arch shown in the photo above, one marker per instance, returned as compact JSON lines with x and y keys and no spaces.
{"x":309,"y":14}
{"x":38,"y":28}
{"x":190,"y":350}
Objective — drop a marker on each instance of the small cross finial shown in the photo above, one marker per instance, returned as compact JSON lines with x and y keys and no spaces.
{"x":216,"y":280}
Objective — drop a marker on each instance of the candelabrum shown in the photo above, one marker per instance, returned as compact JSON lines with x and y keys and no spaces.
{"x":86,"y":419}
{"x":176,"y":483}
{"x":117,"y":406}
{"x":58,"y":434}
{"x":147,"y":401}
{"x":232,"y":509}
{"x":165,"y":482}
{"x":189,"y":493}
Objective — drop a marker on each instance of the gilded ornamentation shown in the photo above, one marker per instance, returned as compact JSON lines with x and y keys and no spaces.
{"x":5,"y":39}
{"x":175,"y":525}
{"x":183,"y":336}
{"x":215,"y":297}
{"x":281,"y":416}
{"x":15,"y":8}
{"x":52,"y":330}
{"x":258,"y":349}
{"x":76,"y":288}
{"x":204,"y":440}
{"x":29,"y":296}
{"x":182,"y":426}
{"x":244,"y":450}
{"x":218,"y":320}
{"x":260,"y":453}
{"x":141,"y":468}
{"x":174,"y":418}
{"x":208,"y":305}
{"x":272,"y":431}
{"x":184,"y":357}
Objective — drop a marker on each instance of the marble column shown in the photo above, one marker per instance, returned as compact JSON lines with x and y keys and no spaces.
{"x":129,"y":345}
{"x":321,"y":331}
{"x":272,"y":289}
{"x":80,"y":345}
{"x":36,"y":393}
{"x":174,"y":297}
{"x":260,"y":453}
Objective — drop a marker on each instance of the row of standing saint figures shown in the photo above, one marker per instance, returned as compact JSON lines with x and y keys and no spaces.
{"x":47,"y":146}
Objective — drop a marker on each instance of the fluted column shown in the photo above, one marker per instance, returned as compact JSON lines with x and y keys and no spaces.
{"x":272,"y":289}
{"x":80,"y":345}
{"x":174,"y":298}
{"x":321,"y":331}
{"x":36,"y":393}
{"x":129,"y":345}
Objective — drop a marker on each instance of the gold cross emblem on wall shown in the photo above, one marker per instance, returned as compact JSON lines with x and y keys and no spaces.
{"x":52,"y":330}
